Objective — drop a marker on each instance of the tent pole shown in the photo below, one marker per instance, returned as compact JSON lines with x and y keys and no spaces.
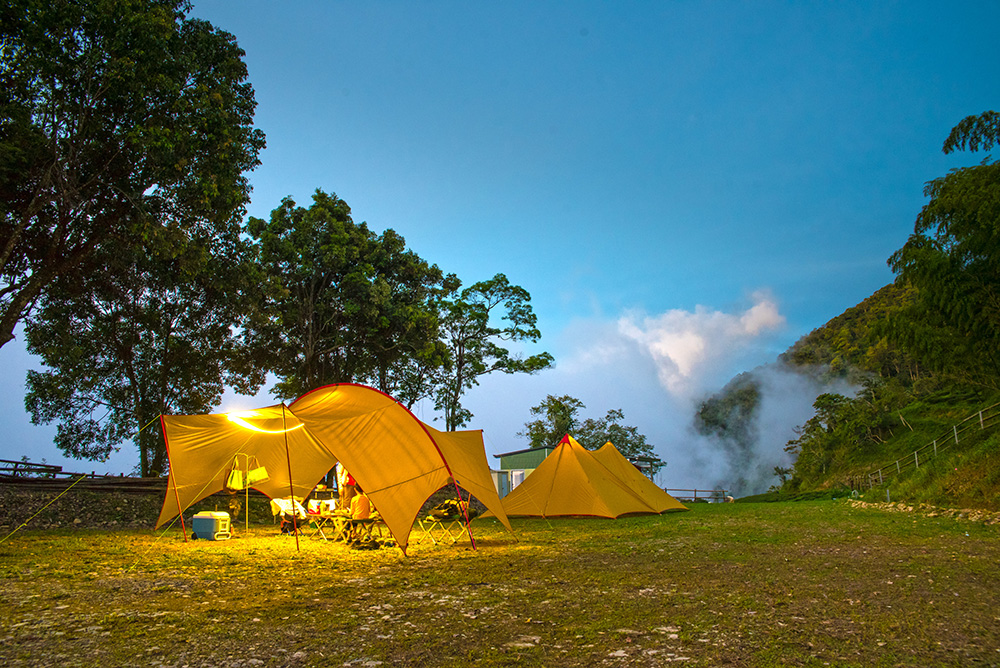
{"x":291,"y":486}
{"x":246,"y":492}
{"x":465,"y":511}
{"x":180,"y":513}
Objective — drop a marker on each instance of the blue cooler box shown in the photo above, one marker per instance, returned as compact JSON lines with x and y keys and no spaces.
{"x":210,"y":525}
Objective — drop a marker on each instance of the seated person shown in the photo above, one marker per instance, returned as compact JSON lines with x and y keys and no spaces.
{"x":361,"y":506}
{"x":361,"y":516}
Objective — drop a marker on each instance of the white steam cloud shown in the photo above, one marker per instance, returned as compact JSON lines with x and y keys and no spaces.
{"x":687,"y":347}
{"x":786,"y":402}
{"x":658,"y":369}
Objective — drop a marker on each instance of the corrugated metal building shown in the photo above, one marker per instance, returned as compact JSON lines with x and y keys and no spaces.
{"x":515,"y":466}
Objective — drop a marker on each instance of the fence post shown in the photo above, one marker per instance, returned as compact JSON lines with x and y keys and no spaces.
{"x":916,"y":460}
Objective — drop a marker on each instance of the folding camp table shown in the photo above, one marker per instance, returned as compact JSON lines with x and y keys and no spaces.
{"x":337,"y":523}
{"x":318,"y":522}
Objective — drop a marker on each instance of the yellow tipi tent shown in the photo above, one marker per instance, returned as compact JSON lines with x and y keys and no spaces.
{"x":572,"y":481}
{"x":397,"y":459}
{"x":615,"y":462}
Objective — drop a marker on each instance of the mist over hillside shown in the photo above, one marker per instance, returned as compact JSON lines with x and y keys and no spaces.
{"x":743,"y":428}
{"x":747,"y":424}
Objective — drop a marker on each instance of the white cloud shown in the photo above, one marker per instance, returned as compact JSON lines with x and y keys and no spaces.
{"x":689,"y":348}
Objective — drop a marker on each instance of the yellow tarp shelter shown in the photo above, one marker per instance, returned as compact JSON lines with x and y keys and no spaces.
{"x":574,"y":482}
{"x":398,"y":460}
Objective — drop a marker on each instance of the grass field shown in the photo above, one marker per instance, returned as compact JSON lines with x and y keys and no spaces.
{"x":769,"y":584}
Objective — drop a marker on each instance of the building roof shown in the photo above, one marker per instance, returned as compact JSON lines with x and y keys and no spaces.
{"x":517,"y":452}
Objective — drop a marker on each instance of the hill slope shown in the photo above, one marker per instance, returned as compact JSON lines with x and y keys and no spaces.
{"x":874,"y":405}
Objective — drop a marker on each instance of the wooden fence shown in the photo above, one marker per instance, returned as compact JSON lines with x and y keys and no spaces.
{"x":984,"y":419}
{"x":49,"y":477}
{"x":23,"y":469}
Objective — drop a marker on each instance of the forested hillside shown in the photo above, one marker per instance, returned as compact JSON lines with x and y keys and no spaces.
{"x":894,"y":406}
{"x":853,"y":344}
{"x":897,"y":371}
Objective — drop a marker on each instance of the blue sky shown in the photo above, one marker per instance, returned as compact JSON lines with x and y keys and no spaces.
{"x":685,"y":188}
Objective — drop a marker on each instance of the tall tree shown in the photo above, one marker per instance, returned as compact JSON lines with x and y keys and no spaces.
{"x":476,"y":325}
{"x":558,"y":416}
{"x":154,"y":334}
{"x":595,"y":432}
{"x":403,"y":336}
{"x":953,"y":260}
{"x":347,"y":305}
{"x":115,"y":117}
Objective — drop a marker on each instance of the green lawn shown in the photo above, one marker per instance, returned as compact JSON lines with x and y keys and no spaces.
{"x":811,"y":583}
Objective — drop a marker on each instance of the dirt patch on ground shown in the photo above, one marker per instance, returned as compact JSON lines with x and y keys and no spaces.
{"x":966,"y":514}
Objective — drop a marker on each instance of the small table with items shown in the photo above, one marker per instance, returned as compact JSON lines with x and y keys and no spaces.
{"x":338,"y":525}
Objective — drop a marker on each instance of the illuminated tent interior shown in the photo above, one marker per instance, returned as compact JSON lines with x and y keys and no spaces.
{"x":574,"y":482}
{"x":398,"y":460}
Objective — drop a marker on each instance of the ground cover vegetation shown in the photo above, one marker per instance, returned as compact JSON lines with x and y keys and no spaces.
{"x":809,"y":583}
{"x":920,"y":355}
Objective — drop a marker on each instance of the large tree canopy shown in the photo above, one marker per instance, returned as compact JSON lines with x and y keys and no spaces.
{"x":953,"y":260}
{"x":347,"y":305}
{"x":556,"y":417}
{"x":155,"y":334}
{"x":116,"y":116}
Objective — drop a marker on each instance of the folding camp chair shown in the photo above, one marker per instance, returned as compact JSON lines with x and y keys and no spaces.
{"x":448,"y":530}
{"x":291,"y":511}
